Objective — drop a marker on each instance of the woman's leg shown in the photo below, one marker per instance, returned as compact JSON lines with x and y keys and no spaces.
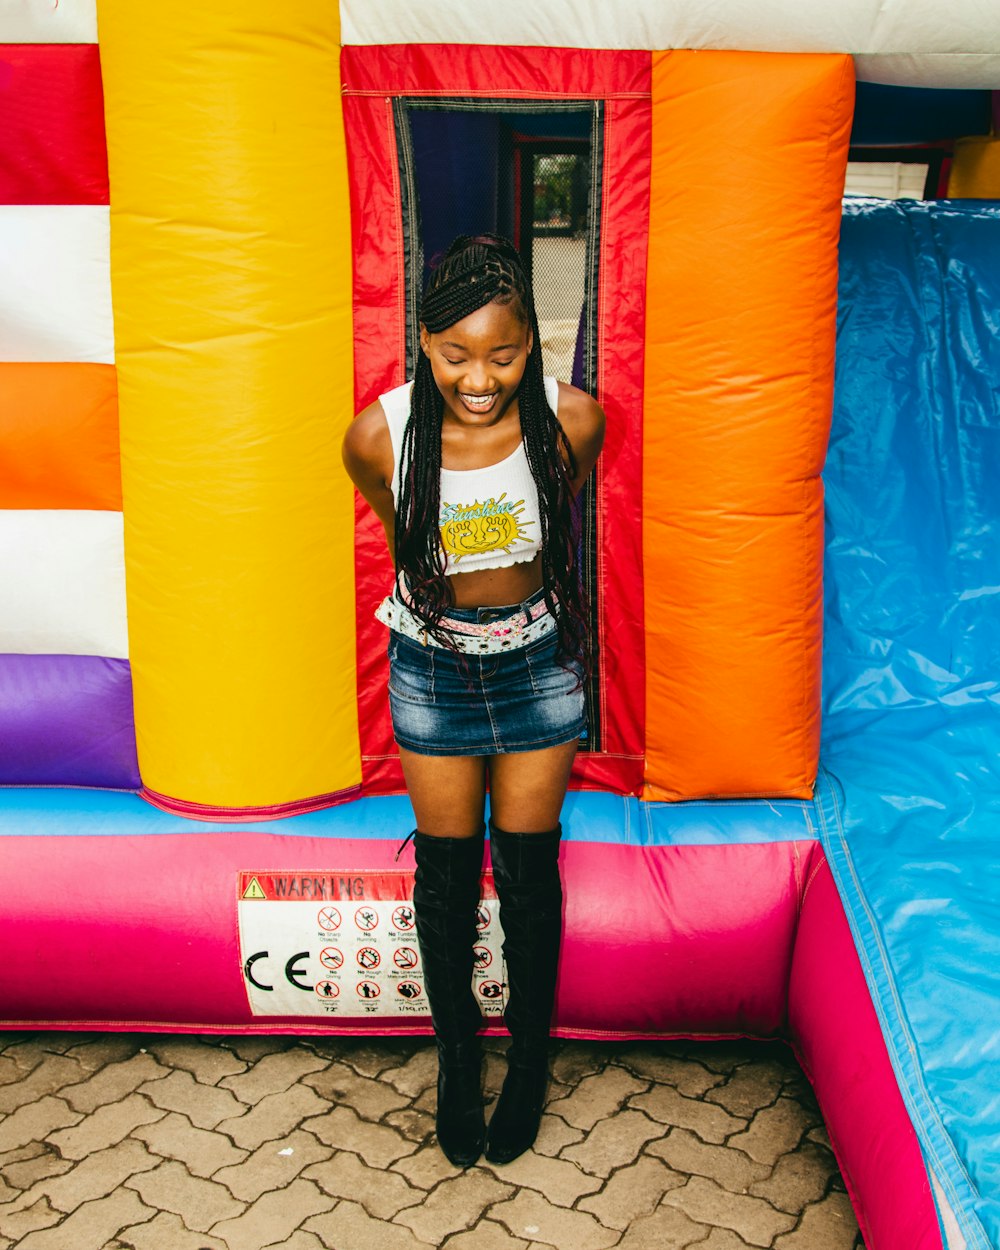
{"x":448,"y":794}
{"x":527,"y":788}
{"x":526,"y":795}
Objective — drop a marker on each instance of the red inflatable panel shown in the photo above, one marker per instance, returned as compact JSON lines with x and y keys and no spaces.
{"x":52,"y":146}
{"x":372,"y":76}
{"x":475,"y":70}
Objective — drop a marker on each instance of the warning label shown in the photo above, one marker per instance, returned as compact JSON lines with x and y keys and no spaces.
{"x":346,"y":945}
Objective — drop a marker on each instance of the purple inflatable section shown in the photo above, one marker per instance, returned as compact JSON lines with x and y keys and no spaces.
{"x":66,"y":720}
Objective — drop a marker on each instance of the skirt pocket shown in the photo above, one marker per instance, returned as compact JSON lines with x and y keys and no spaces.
{"x":411,"y":671}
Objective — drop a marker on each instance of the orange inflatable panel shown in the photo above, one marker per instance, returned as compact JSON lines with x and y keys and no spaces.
{"x":59,"y":431}
{"x":741,"y":320}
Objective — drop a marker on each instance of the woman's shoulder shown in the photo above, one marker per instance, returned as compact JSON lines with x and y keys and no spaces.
{"x":395,"y":405}
{"x":582,"y":420}
{"x":579,"y":414}
{"x":379,"y":427}
{"x":367,"y":440}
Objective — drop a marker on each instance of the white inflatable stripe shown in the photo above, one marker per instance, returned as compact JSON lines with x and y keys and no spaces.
{"x":48,"y":21}
{"x":62,"y":583}
{"x":55,"y":283}
{"x":967,"y":70}
{"x":946,"y":33}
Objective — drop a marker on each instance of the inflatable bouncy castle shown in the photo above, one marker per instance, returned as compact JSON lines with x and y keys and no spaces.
{"x":215,"y":221}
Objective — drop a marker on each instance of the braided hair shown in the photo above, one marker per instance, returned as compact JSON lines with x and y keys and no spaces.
{"x":477,"y":271}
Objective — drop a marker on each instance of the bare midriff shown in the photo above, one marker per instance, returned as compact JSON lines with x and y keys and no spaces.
{"x":491,"y":588}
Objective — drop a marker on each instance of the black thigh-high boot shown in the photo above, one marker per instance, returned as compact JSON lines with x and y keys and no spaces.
{"x":526,"y":872}
{"x":445,"y":897}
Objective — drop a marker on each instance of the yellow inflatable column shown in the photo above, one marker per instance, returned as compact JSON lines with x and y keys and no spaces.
{"x":230,"y":255}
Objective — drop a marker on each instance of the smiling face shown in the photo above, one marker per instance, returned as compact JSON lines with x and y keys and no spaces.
{"x":478,"y":362}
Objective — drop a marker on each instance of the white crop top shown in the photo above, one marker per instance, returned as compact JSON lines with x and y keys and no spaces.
{"x":489,"y":516}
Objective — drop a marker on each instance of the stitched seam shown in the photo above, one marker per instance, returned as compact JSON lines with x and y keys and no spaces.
{"x":812,"y":877}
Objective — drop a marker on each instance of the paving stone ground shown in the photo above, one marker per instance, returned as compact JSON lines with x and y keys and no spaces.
{"x":152,"y":1142}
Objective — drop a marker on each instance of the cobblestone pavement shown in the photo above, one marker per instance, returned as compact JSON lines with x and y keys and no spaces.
{"x":153,"y":1142}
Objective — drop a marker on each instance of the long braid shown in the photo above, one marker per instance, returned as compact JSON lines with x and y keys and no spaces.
{"x":419,"y":554}
{"x":474,"y":272}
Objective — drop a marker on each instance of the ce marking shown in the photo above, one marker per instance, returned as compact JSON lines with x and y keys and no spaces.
{"x":293,"y":972}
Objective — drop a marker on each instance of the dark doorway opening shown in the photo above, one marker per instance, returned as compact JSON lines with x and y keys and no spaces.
{"x":531,"y":171}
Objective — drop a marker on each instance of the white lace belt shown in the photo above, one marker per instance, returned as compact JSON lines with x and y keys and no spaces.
{"x":507,"y":633}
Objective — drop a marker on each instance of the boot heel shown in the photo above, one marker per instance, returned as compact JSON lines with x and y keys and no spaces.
{"x":518,"y":1114}
{"x":461,"y":1125}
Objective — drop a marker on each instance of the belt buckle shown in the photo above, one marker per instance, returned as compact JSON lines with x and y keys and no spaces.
{"x":507,"y":628}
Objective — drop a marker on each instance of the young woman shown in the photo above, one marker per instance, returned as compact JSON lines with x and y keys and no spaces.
{"x":472,"y":470}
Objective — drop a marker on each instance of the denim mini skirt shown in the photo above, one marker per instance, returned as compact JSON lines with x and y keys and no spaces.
{"x":443,"y":703}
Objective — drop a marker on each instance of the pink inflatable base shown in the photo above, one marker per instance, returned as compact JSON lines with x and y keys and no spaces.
{"x":838,"y":1042}
{"x":656,"y":939}
{"x":692,"y":941}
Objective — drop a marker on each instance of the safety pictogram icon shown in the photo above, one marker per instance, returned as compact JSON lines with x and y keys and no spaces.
{"x":409,"y":989}
{"x":327,"y":989}
{"x":368,"y":958}
{"x":482,"y":956}
{"x":368,"y":989}
{"x":329,"y":918}
{"x":404,"y":957}
{"x":482,"y":917}
{"x":491,"y":990}
{"x":366,"y":918}
{"x":254,"y":889}
{"x":331,"y":958}
{"x":403,"y":918}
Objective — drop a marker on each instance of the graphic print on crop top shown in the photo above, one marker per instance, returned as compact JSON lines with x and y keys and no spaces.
{"x":489,"y":517}
{"x":484,"y":525}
